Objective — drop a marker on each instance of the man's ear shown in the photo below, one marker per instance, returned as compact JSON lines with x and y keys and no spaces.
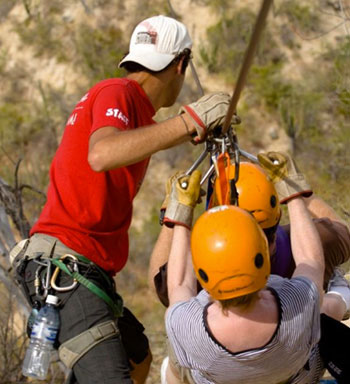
{"x":179,"y":66}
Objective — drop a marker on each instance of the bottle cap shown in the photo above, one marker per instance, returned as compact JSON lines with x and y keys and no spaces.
{"x":51,"y":299}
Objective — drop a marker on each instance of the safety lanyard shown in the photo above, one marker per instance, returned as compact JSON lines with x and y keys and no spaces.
{"x":223,"y":168}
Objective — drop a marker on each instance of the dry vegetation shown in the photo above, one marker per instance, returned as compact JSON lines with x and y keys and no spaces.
{"x":297,"y":98}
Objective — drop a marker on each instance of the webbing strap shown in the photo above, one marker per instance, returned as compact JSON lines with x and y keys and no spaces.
{"x":73,"y":349}
{"x":223,"y":163}
{"x":116,"y":306}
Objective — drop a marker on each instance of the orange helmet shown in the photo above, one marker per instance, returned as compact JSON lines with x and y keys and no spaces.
{"x":256,"y":194}
{"x":229,"y":252}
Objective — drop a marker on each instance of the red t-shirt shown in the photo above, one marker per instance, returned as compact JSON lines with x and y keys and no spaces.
{"x":90,"y":211}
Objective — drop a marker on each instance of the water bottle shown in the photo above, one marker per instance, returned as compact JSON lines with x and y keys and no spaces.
{"x":33,"y":315}
{"x":37,"y":359}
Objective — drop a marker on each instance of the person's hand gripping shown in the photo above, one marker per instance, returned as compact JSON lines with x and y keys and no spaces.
{"x":184,"y":196}
{"x":165,"y":202}
{"x":284,"y":173}
{"x":208,"y":113}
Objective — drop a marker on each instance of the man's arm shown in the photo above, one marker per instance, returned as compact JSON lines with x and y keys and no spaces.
{"x":110,"y":148}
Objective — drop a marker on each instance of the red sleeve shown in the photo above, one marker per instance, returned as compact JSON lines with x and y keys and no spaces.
{"x":110,"y":109}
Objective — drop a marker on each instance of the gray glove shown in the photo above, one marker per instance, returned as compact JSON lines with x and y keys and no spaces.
{"x":208,"y":113}
{"x":283,"y":172}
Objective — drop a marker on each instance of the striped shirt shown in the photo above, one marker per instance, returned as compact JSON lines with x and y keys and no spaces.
{"x":291,"y":356}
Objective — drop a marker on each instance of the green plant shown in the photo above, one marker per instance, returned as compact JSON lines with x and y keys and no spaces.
{"x":302,"y":16}
{"x":218,"y":6}
{"x":3,"y":60}
{"x":227,"y":41}
{"x":268,"y":84}
{"x":98,"y":51}
{"x":337,"y":77}
{"x":38,"y":30}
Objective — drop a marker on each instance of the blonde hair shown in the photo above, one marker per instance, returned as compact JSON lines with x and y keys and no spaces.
{"x":244,"y":302}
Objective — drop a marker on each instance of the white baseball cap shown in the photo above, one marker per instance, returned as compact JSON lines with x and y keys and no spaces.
{"x":156,"y":41}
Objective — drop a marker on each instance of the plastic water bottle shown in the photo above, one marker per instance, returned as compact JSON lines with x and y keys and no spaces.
{"x":37,"y":359}
{"x":33,"y":315}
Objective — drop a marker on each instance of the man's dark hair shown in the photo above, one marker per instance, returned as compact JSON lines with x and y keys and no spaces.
{"x":132,"y":67}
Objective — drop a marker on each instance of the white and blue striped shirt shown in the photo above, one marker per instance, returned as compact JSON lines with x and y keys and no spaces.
{"x":290,"y":356}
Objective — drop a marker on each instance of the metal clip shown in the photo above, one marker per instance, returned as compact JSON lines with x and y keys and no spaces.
{"x":216,"y":145}
{"x":44,"y":283}
{"x":249,"y":156}
{"x":57,"y":270}
{"x":199,"y":160}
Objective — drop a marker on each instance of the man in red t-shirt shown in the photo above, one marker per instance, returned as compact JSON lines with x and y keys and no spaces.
{"x":94,"y":177}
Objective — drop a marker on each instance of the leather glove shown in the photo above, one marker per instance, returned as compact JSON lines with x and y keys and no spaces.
{"x":184,"y":195}
{"x":167,"y":194}
{"x":208,"y":113}
{"x":283,"y":172}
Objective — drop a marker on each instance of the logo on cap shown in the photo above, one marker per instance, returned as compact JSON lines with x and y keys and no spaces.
{"x":146,"y":38}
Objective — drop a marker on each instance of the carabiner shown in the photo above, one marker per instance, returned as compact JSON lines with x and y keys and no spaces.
{"x":42,"y":285}
{"x":57,"y":270}
{"x":199,"y":160}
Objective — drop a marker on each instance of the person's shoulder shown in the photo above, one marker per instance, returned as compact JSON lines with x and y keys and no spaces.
{"x":301,"y":291}
{"x":195,"y":304}
{"x":331,"y":225}
{"x":122,"y":87}
{"x":112,"y":82}
{"x":334,"y":234}
{"x":300,"y":286}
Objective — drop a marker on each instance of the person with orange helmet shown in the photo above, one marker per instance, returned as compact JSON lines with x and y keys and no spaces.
{"x":245,"y":321}
{"x":257,"y":194}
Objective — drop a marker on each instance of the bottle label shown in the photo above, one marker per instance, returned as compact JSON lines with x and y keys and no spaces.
{"x":31,"y":320}
{"x":43,"y":331}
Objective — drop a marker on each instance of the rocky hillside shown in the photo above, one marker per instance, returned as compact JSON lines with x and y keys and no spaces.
{"x":297,"y":97}
{"x":51,"y":52}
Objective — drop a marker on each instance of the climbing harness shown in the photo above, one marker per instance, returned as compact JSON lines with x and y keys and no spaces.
{"x":73,"y":349}
{"x":45,"y":282}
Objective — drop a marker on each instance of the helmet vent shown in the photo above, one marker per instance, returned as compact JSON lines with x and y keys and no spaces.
{"x":259,"y":260}
{"x":273,"y":201}
{"x":203,"y":275}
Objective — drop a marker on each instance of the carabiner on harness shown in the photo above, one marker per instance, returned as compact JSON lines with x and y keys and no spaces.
{"x":74,"y":260}
{"x":42,"y":284}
